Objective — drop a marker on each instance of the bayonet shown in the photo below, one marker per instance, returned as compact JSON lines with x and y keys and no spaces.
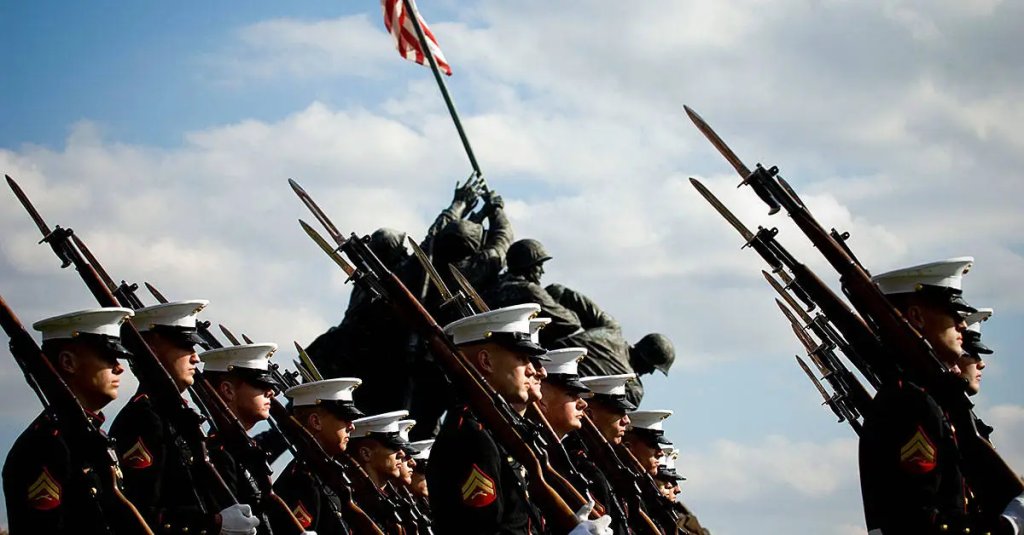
{"x":728,"y":215}
{"x":228,"y":334}
{"x":817,"y":383}
{"x":754,"y":180}
{"x":432,"y":273}
{"x":246,"y":339}
{"x":705,"y":129}
{"x":331,"y":251}
{"x":468,"y":289}
{"x":317,"y":212}
{"x":55,"y":237}
{"x":307,"y":364}
{"x":804,"y":316}
{"x":156,"y":293}
{"x":306,"y":376}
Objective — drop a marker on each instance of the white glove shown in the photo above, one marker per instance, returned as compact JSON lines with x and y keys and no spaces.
{"x":1015,"y":514}
{"x":601,"y":526}
{"x":308,"y":533}
{"x":238,"y":520}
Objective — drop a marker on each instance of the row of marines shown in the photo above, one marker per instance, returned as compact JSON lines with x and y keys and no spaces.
{"x":463,"y":482}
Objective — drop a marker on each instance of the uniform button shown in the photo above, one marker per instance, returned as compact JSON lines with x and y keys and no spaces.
{"x":944,"y":527}
{"x":167,"y":527}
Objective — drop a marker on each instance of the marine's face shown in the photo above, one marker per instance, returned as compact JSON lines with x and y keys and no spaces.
{"x":564,"y":410}
{"x":334,"y":432}
{"x":970,"y":370}
{"x":536,"y":393}
{"x":644,"y":452}
{"x":179,"y":358}
{"x":419,"y":483}
{"x":942,"y":329}
{"x":509,"y":372}
{"x":405,"y":467}
{"x":252,"y":403}
{"x":610,"y":421}
{"x":93,"y":374}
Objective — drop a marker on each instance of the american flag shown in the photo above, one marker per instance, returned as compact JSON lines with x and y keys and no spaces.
{"x":400,"y":26}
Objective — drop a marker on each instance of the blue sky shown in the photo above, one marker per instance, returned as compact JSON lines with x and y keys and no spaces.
{"x":164,"y":134}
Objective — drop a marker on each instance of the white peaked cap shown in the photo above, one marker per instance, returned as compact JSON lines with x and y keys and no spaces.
{"x":378,"y":423}
{"x":668,"y":460}
{"x":311,"y":394}
{"x":667,"y":448}
{"x":423,"y":446}
{"x":536,"y":324}
{"x":248,"y":356}
{"x":944,"y":273}
{"x":179,"y":314}
{"x":608,"y":385}
{"x":975,"y":319}
{"x":101,"y":321}
{"x":651,"y":420}
{"x":565,"y":361}
{"x":404,"y":426}
{"x":514,"y":319}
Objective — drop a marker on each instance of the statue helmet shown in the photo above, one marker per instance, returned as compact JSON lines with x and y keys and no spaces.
{"x":388,"y":244}
{"x":525,"y":253}
{"x":656,"y":350}
{"x":459,"y":239}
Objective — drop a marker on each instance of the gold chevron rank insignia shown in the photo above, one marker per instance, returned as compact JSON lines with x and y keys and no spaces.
{"x":478,"y":490}
{"x":137,"y":457}
{"x":918,"y":455}
{"x":44,"y":493}
{"x":302,"y":515}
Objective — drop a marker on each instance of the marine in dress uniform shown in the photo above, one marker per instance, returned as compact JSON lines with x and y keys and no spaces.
{"x":418,"y":487}
{"x":666,"y":476}
{"x":972,"y":361}
{"x":45,"y":491}
{"x":156,"y":460}
{"x":241,"y":376}
{"x":645,"y":435}
{"x":607,"y":407}
{"x":475,"y":485}
{"x":911,"y":479}
{"x":326,"y":409}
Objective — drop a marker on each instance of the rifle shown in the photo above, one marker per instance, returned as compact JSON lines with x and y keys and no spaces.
{"x":862,"y":342}
{"x":93,"y":451}
{"x":994,"y":483}
{"x":490,"y":407}
{"x":851,"y":400}
{"x":145,"y":365}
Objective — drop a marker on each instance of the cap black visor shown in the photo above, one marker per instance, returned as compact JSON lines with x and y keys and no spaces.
{"x":519,"y":342}
{"x":343,"y":410}
{"x":569,"y":382}
{"x":618,"y":402}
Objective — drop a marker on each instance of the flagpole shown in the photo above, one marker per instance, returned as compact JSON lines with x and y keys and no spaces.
{"x":410,"y":8}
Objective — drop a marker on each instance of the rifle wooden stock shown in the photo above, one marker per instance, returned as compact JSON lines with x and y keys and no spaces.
{"x":327,"y":469}
{"x":93,"y":450}
{"x":623,"y":480}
